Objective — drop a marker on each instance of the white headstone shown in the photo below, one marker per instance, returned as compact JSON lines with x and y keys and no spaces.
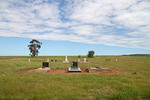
{"x":47,"y":60}
{"x":78,"y":60}
{"x":29,"y":60}
{"x":84,"y":60}
{"x":116,"y":60}
{"x":66,"y":60}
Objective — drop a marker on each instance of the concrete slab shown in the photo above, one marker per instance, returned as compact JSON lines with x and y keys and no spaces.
{"x":47,"y":69}
{"x":105,"y":69}
{"x":92,"y":69}
{"x":74,"y":69}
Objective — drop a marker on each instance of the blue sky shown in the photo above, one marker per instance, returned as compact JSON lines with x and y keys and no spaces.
{"x":73,"y":27}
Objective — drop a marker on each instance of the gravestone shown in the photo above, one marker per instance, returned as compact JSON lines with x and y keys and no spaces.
{"x":79,"y":56}
{"x":45,"y":64}
{"x":47,"y":60}
{"x":116,"y":60}
{"x":45,"y":68}
{"x":78,"y":60}
{"x":29,"y":60}
{"x":96,"y":66}
{"x":84,"y":60}
{"x":66,"y":60}
{"x":74,"y":67}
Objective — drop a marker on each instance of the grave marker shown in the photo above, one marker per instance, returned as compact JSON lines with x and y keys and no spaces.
{"x":45,"y":64}
{"x":74,"y":67}
{"x":78,"y":60}
{"x":47,"y":60}
{"x":29,"y":60}
{"x":84,"y":60}
{"x":66,"y":60}
{"x":116,"y":60}
{"x":45,"y":68}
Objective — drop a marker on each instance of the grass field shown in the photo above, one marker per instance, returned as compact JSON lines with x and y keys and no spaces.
{"x":41,"y":86}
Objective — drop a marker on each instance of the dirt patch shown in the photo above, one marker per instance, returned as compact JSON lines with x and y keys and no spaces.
{"x":83,"y":71}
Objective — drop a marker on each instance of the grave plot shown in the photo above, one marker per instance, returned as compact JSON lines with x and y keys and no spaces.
{"x":97,"y":69}
{"x":83,"y":71}
{"x":45,"y":68}
{"x":74,"y":67}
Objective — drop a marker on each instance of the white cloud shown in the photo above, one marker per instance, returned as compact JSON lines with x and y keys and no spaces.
{"x":124,"y":23}
{"x":86,"y":30}
{"x":47,"y":11}
{"x":92,"y":12}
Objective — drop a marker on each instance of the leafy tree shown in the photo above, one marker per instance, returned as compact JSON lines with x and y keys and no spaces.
{"x":34,"y":47}
{"x":90,"y":54}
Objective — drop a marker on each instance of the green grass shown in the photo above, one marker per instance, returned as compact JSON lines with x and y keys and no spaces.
{"x":40,"y":86}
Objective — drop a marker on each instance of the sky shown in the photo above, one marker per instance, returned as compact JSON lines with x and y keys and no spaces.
{"x":74,"y":27}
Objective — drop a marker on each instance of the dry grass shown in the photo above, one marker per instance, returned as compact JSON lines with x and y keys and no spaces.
{"x":123,"y":86}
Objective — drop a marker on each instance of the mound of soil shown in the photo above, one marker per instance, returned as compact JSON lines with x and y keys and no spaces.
{"x":83,"y":71}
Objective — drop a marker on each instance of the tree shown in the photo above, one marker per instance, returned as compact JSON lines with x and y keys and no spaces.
{"x":34,"y":47}
{"x":90,"y":54}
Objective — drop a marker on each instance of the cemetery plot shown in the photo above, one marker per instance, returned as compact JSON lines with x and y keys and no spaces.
{"x":83,"y":71}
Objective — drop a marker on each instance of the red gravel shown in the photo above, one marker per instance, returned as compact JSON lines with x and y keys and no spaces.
{"x":83,"y":71}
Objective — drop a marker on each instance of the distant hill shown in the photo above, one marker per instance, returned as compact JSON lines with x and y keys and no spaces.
{"x":137,"y":55}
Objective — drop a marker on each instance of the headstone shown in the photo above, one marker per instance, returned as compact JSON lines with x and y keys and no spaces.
{"x":79,"y":56}
{"x":116,"y":60}
{"x":45,"y":68}
{"x":29,"y":60}
{"x":47,"y":60}
{"x":78,"y":60}
{"x":96,"y":66}
{"x":66,"y":60}
{"x":74,"y":67}
{"x":84,"y":60}
{"x":45,"y":64}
